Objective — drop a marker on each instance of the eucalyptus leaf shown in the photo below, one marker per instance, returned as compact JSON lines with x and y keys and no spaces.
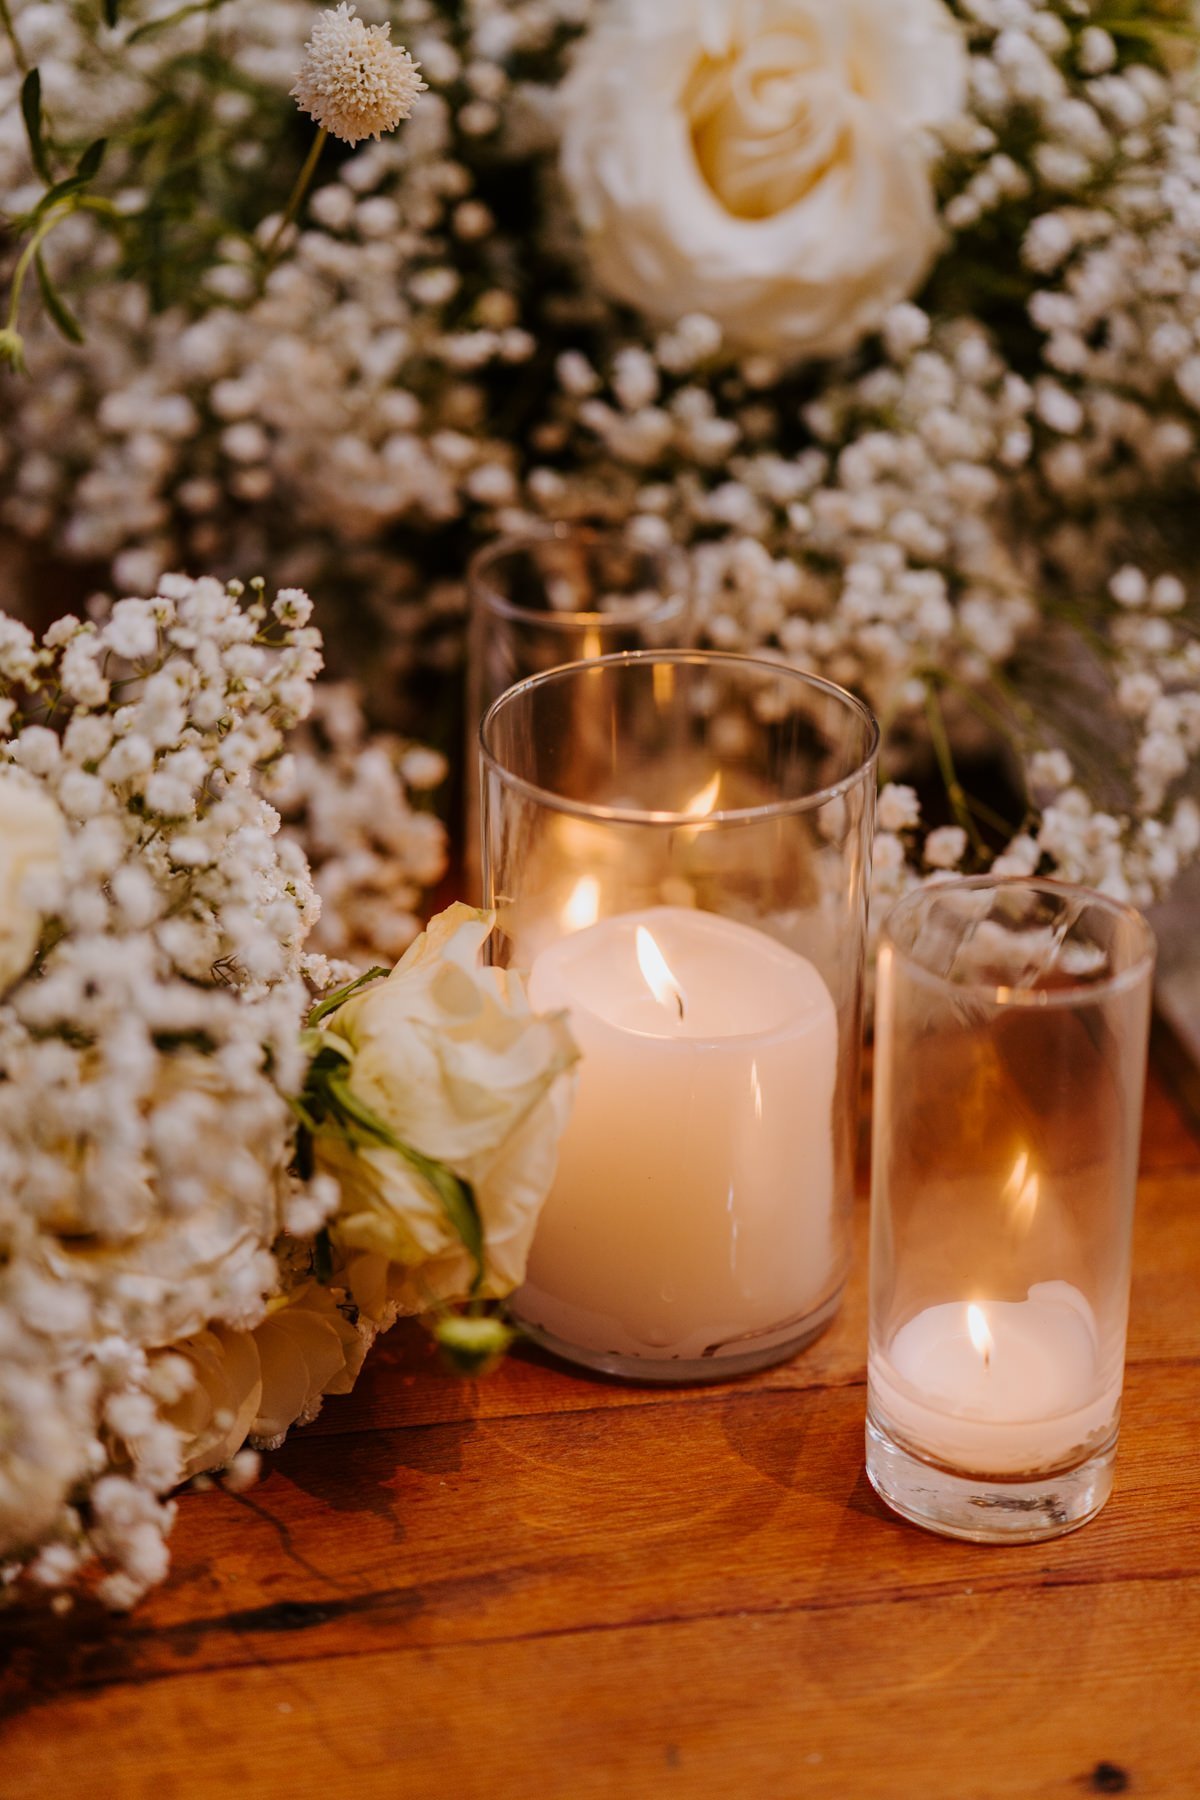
{"x":31,"y":112}
{"x":62,"y":316}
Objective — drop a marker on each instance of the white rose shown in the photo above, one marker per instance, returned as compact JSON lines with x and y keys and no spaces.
{"x":258,"y":1384}
{"x":762,"y":161}
{"x":32,"y":832}
{"x":450,"y":1058}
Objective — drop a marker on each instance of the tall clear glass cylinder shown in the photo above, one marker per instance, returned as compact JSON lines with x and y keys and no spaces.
{"x":1010,"y":1052}
{"x":677,"y":846}
{"x":556,"y":596}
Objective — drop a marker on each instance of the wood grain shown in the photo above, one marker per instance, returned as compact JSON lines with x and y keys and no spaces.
{"x":545,"y":1585}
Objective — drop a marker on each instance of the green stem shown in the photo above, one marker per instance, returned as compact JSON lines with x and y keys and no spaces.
{"x":303,"y":182}
{"x":11,"y":34}
{"x":945,"y":762}
{"x":24,"y":262}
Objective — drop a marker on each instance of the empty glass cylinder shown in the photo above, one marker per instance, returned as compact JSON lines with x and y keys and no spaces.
{"x":559,"y":596}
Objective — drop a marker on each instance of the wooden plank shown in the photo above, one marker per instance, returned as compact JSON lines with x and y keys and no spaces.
{"x":1170,"y":1126}
{"x":548,"y":1584}
{"x":734,"y":1502}
{"x":966,"y":1696}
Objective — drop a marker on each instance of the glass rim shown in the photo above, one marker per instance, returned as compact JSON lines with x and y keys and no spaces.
{"x":668,"y":607}
{"x":999,"y":993}
{"x":733,"y":815}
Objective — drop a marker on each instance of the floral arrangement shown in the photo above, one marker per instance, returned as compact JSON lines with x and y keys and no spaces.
{"x":887,"y":311}
{"x":221,"y":1174}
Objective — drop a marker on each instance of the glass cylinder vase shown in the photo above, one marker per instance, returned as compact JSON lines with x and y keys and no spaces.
{"x":1010,"y":1052}
{"x":677,"y":846}
{"x":556,"y":596}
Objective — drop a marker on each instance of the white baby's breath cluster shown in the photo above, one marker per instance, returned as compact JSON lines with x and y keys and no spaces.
{"x":360,"y":804}
{"x":535,"y":301}
{"x":149,"y":1054}
{"x":177,"y":1150}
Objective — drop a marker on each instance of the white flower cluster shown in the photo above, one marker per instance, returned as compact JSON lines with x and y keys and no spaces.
{"x":149,"y":1056}
{"x":349,"y":798}
{"x":162,"y":1299}
{"x":978,"y":519}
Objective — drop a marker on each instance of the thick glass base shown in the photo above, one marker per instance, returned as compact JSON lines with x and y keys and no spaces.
{"x":740,"y":1357}
{"x":1021,"y":1509}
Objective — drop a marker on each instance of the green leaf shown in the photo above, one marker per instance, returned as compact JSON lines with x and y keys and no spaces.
{"x":88,"y":166}
{"x":457,"y":1196}
{"x":55,"y":305}
{"x":332,"y":1001}
{"x":31,"y":112}
{"x":60,"y":191}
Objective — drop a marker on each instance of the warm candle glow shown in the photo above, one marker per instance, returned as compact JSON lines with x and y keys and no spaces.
{"x":583,"y":905}
{"x":656,"y":971}
{"x":702,"y":803}
{"x":1020,"y":1170}
{"x":1022,"y":1190}
{"x":1025,"y":1204}
{"x":981,"y":1336}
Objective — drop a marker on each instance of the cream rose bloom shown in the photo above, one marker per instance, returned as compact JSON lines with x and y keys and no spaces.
{"x":32,"y":834}
{"x":450,"y":1058}
{"x":762,"y":161}
{"x":258,"y":1384}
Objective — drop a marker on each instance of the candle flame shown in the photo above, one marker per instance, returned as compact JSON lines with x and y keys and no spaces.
{"x":702,"y":803}
{"x":583,"y":904}
{"x":981,"y":1336}
{"x":656,"y":971}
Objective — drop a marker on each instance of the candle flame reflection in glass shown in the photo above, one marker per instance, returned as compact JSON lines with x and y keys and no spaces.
{"x":583,"y":904}
{"x":981,"y":1335}
{"x":1022,"y":1190}
{"x":656,"y":971}
{"x":703,"y":802}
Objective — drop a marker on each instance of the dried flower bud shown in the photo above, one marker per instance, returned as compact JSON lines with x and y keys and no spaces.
{"x":353,"y":81}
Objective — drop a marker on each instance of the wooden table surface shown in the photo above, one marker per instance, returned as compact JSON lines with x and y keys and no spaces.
{"x":542,"y":1585}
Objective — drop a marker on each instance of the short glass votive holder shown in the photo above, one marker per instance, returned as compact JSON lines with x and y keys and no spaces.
{"x":677,"y":846}
{"x":560,"y":595}
{"x":1011,"y":1029}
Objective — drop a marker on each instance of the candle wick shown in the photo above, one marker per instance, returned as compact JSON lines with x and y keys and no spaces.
{"x":679,"y":1004}
{"x":987,"y":1357}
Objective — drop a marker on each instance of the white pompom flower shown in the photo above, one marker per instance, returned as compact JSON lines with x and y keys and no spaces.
{"x":354,"y":82}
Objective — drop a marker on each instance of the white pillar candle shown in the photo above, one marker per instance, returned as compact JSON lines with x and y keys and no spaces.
{"x":694,"y":1200}
{"x":998,"y":1387}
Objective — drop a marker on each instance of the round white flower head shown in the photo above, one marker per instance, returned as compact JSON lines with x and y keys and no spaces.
{"x":762,"y":161}
{"x":354,"y":82}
